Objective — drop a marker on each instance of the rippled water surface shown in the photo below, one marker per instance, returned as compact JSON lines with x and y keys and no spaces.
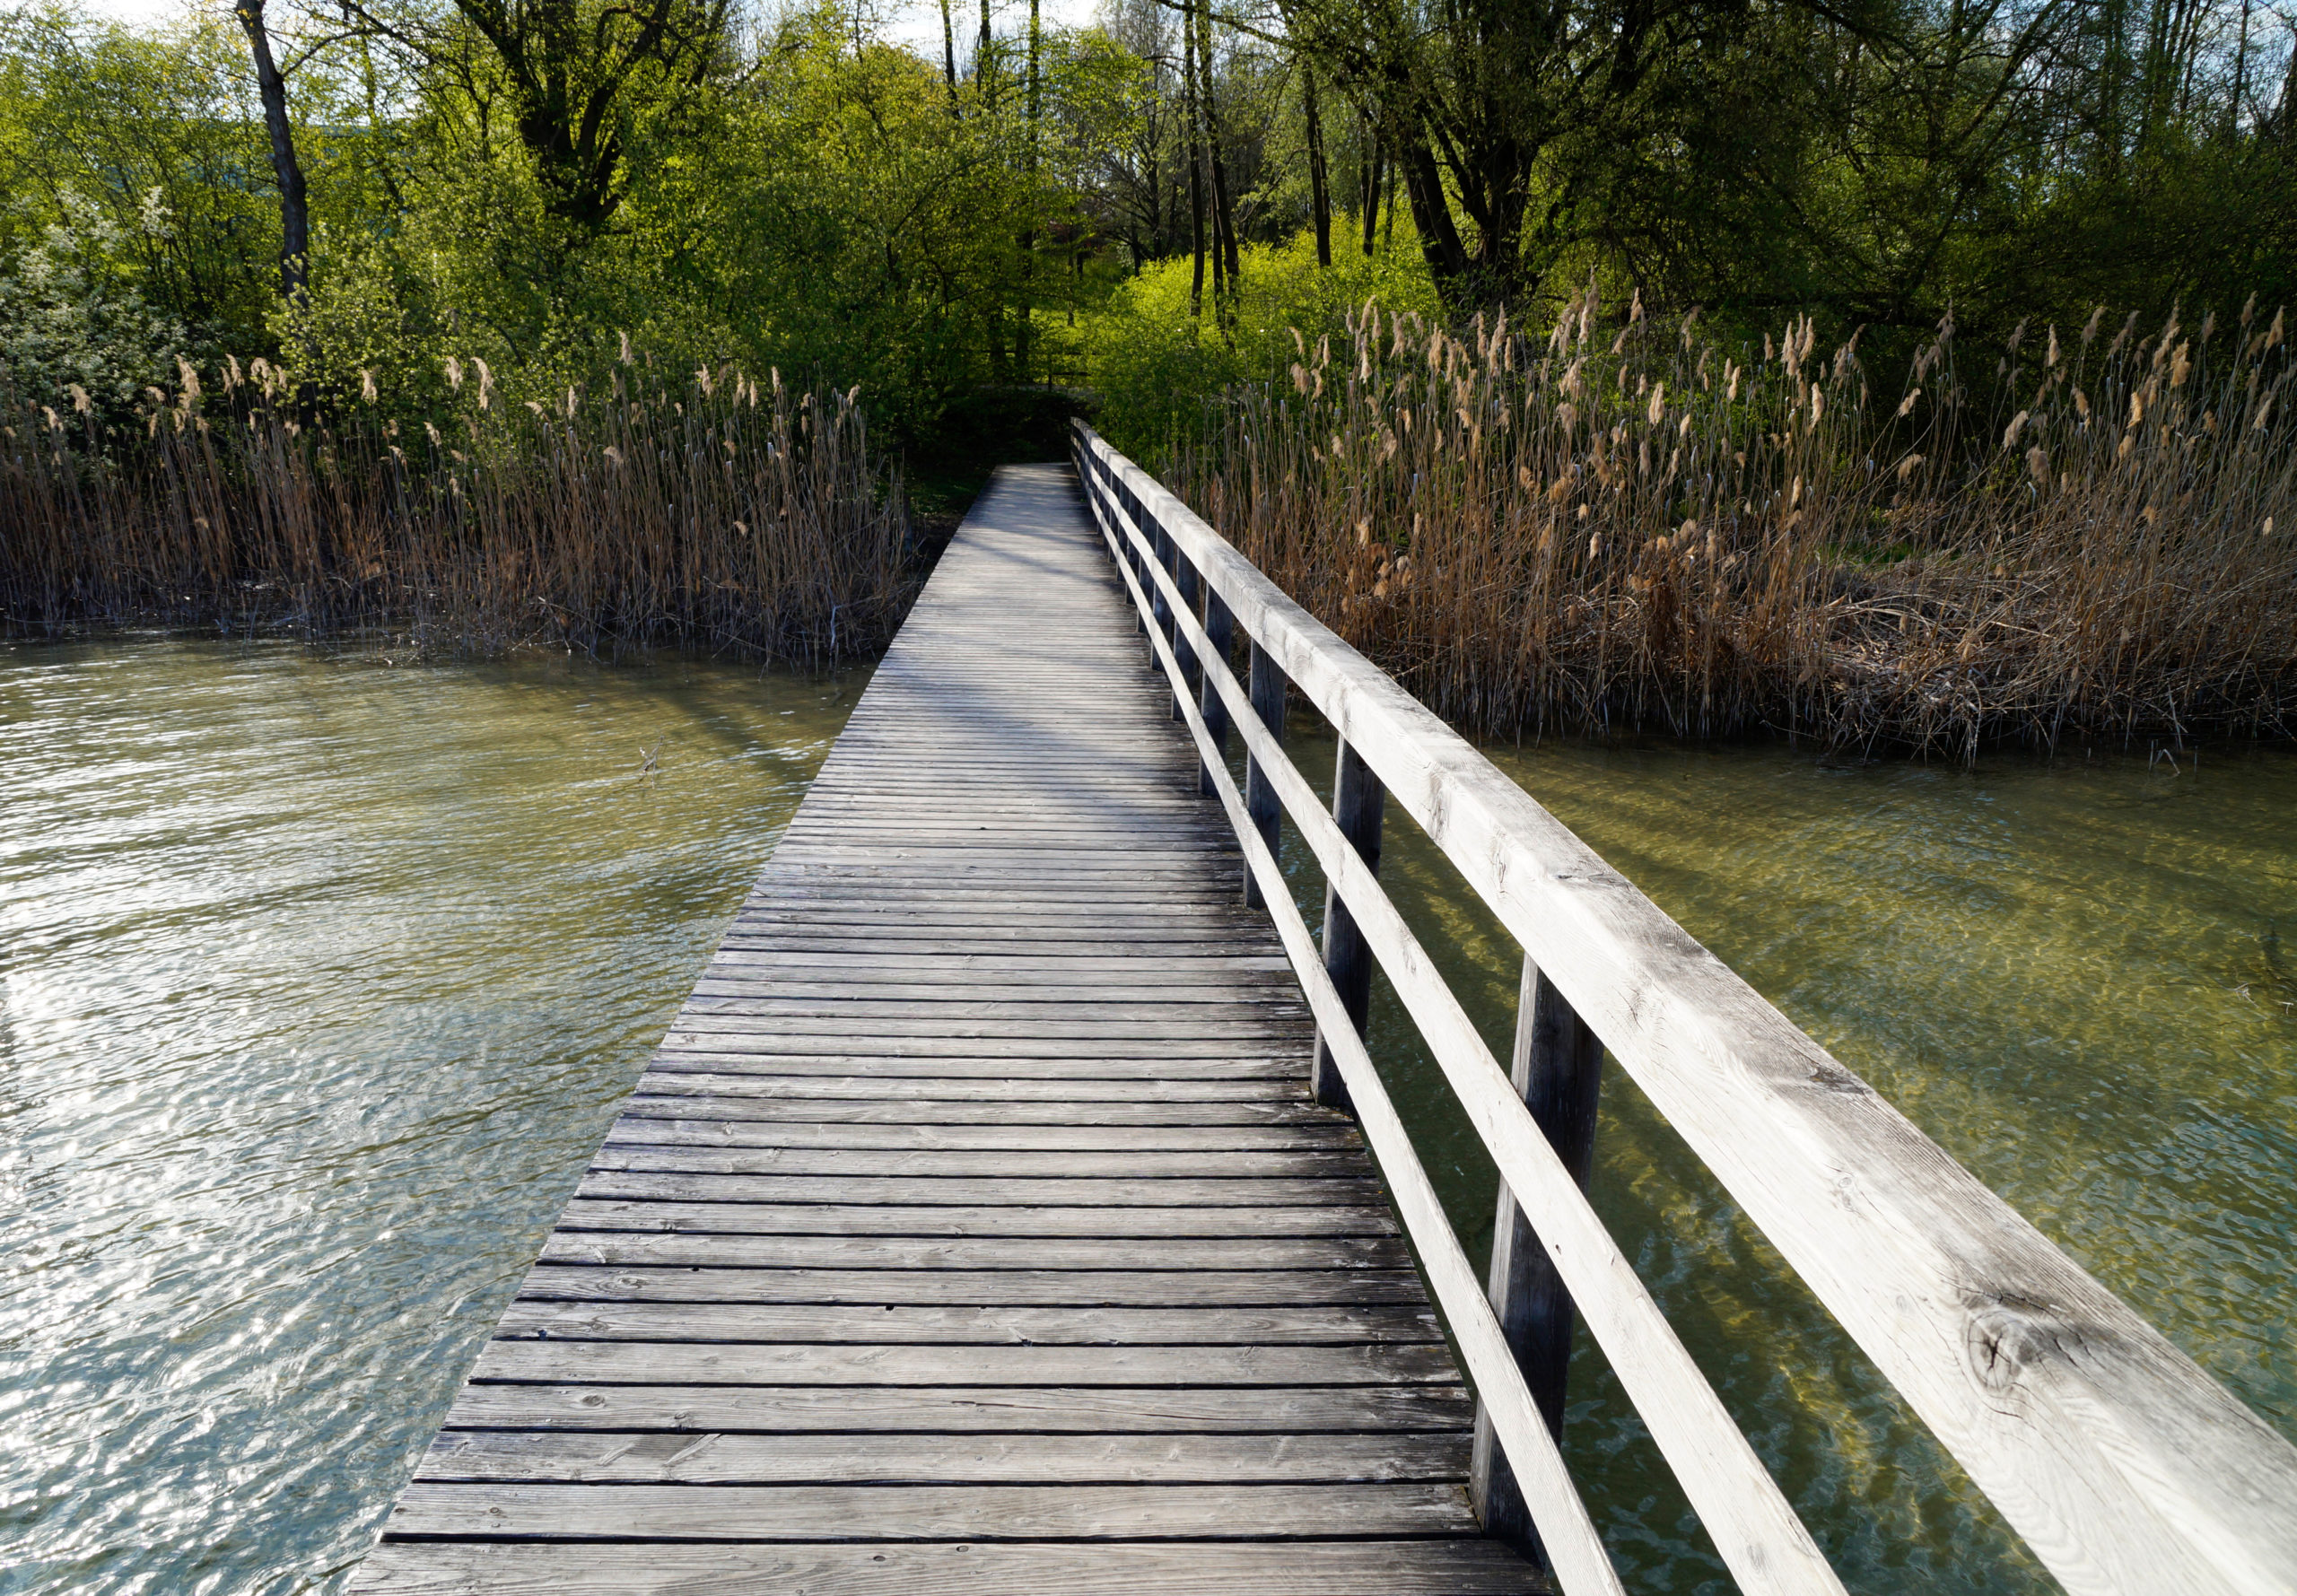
{"x":322,"y":977}
{"x":2080,"y":976}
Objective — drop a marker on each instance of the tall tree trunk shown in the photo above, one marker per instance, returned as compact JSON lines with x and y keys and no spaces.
{"x":294,"y":210}
{"x":985,"y":77}
{"x":1195,"y":141}
{"x":1154,"y":159}
{"x":1319,"y":180}
{"x":1431,"y":214}
{"x":1036,"y":55}
{"x":1029,"y":234}
{"x":2241,"y":71}
{"x":984,"y":61}
{"x":1368,"y":172}
{"x":2115,"y":72}
{"x":949,"y":54}
{"x":1223,"y":209}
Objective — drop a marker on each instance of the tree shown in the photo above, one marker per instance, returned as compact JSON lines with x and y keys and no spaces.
{"x":294,"y":204}
{"x":579,"y":72}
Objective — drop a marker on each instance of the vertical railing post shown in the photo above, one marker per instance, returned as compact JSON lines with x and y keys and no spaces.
{"x":1163,"y":545}
{"x":1185,"y":581}
{"x":1358,"y":804}
{"x":1131,"y":502}
{"x":1099,"y":489}
{"x":1558,"y":1069}
{"x":1220,"y":631}
{"x":1264,"y":684}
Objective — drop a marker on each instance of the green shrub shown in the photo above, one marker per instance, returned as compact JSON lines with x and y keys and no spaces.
{"x":1160,"y":369}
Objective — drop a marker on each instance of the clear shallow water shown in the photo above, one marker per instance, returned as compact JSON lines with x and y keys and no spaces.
{"x":319,"y":980}
{"x":2079,"y":976}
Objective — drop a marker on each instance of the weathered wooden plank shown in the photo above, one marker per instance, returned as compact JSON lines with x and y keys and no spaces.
{"x":909,"y":1408}
{"x":977,"y":1253}
{"x":921,"y":938}
{"x":1128,"y":1164}
{"x":930,"y":1191}
{"x":501,"y":1511}
{"x":904,"y":1056}
{"x":739,"y":1216}
{"x":809,"y":854}
{"x":985,"y":1325}
{"x":641,"y":1457}
{"x":939,"y":1089}
{"x":1012,"y":890}
{"x":583,"y":1281}
{"x":714,"y":1363}
{"x":743,"y":982}
{"x":877,"y":901}
{"x":944,"y":1066}
{"x":954,"y":1014}
{"x":1130,"y":834}
{"x":1054,"y":966}
{"x":800,"y":969}
{"x":1016,"y":1138}
{"x":712,"y":1031}
{"x":1419,"y":1567}
{"x":893,"y":1110}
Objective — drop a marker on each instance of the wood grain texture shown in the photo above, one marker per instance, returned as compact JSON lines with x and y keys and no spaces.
{"x":888,"y":1287}
{"x":655,"y":1458}
{"x":946,"y":1410}
{"x":946,"y":1327}
{"x":2127,"y":1469}
{"x":1451,"y":1566}
{"x":600,"y":1511}
{"x":973,"y":1227}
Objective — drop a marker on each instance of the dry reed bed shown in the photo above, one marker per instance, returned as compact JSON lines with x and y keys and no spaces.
{"x":724,"y":516}
{"x":1631,"y":525}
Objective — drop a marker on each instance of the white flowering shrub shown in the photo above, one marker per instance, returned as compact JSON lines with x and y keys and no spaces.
{"x":69,"y":315}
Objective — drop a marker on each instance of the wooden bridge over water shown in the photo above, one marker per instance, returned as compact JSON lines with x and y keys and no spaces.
{"x":1014,"y":1207}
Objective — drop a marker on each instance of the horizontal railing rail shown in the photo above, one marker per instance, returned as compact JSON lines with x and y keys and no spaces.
{"x":2126,"y":1468}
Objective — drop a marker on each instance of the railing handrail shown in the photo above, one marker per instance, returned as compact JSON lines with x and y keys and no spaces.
{"x":2123,"y":1464}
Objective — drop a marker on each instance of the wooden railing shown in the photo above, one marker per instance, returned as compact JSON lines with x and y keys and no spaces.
{"x":2124,"y":1467}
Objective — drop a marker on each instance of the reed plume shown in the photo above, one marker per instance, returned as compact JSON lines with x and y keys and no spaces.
{"x":726,"y":515}
{"x":1633,"y":525}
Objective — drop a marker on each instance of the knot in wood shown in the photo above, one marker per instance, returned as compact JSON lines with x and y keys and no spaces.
{"x":1833,"y":1077}
{"x":2007,"y":1334}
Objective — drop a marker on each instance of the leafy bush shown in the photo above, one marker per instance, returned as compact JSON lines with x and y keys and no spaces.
{"x":68,"y":318}
{"x":1160,"y":369}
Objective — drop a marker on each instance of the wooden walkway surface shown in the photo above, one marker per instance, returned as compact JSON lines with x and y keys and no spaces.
{"x":973,"y":1231}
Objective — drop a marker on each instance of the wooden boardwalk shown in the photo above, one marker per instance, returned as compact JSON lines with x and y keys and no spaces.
{"x":973,"y":1230}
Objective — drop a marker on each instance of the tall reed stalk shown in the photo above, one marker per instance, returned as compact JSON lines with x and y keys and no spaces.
{"x":726,"y":514}
{"x":1630,"y":524}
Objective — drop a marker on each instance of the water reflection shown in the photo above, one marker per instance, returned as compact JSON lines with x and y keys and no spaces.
{"x":319,"y":980}
{"x":2071,"y":973}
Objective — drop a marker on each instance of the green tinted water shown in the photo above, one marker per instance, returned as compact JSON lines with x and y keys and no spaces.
{"x":321,"y":978}
{"x":2080,"y":976}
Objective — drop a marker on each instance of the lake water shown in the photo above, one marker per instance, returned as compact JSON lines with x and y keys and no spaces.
{"x":2078,"y":975}
{"x":322,"y":974}
{"x":322,"y":977}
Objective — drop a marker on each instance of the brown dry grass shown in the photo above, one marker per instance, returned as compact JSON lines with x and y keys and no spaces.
{"x":727,"y":515}
{"x":1630,"y":525}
